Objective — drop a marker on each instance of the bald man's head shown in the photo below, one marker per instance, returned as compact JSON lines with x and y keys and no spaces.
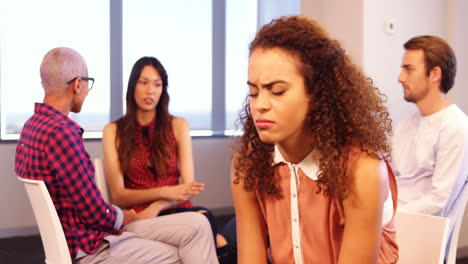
{"x":59,"y":66}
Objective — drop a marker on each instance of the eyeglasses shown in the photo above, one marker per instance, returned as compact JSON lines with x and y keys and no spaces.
{"x":89,"y":79}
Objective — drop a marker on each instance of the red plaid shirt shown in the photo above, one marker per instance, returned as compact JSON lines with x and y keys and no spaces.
{"x":51,"y":149}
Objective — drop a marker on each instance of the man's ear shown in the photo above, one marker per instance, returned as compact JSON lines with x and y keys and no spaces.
{"x":76,"y":85}
{"x":436,"y":74}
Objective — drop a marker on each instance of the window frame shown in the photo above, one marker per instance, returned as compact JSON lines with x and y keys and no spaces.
{"x":218,"y":102}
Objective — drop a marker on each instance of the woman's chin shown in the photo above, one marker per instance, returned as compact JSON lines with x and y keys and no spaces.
{"x":267,"y":139}
{"x":147,"y":109}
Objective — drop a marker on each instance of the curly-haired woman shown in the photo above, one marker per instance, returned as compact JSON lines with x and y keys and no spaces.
{"x":310,"y":176}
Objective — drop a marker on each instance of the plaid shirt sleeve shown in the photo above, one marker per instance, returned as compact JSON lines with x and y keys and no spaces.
{"x":71,"y":164}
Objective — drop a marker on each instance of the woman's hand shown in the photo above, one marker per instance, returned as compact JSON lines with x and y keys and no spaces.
{"x":129,"y":216}
{"x":152,"y":210}
{"x":183,"y":192}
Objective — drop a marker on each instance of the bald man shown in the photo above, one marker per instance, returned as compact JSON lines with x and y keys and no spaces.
{"x":51,"y":149}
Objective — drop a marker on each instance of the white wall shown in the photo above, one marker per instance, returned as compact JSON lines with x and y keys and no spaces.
{"x":359,"y":26}
{"x":212,"y":158}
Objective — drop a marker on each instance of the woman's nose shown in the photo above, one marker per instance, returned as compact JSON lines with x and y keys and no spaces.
{"x":263,"y":102}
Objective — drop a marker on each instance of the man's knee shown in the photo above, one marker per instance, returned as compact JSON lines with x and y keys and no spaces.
{"x":198,"y":218}
{"x":198,"y":221}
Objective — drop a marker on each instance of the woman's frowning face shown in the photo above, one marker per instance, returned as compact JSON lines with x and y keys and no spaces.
{"x":279,"y":102}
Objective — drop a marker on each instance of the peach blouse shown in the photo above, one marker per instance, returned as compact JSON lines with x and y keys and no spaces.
{"x":306,"y":227}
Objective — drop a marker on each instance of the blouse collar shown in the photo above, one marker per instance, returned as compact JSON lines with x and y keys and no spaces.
{"x":151,"y":124}
{"x":143,"y":134}
{"x":308,"y":165}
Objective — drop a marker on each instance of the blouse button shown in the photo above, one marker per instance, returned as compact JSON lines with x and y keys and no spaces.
{"x":294,"y":195}
{"x":294,"y":219}
{"x":296,"y":245}
{"x":107,"y":210}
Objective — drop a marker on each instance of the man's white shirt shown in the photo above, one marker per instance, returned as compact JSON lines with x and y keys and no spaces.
{"x":430,"y":160}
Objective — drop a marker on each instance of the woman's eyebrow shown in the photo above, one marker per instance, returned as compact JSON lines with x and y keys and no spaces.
{"x":267,"y":85}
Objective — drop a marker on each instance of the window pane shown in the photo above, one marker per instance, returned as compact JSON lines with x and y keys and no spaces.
{"x":179,"y":34}
{"x":241,"y":25}
{"x":28,"y":30}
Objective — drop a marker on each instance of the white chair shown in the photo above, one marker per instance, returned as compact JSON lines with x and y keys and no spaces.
{"x":456,"y":214}
{"x":52,"y":236}
{"x":101,"y":182}
{"x":421,"y":238}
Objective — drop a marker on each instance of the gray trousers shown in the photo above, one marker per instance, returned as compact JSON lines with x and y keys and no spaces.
{"x":178,"y":238}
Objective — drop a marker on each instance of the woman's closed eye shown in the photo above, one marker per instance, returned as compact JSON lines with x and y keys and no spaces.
{"x":278,"y":92}
{"x":253,"y":91}
{"x":278,"y":88}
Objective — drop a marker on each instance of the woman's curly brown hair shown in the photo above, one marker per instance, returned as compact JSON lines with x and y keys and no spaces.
{"x":346,"y":109}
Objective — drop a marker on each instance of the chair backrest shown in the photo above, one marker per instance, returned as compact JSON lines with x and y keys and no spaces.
{"x":421,"y":238}
{"x":52,"y":236}
{"x":456,"y":214}
{"x":101,"y":181}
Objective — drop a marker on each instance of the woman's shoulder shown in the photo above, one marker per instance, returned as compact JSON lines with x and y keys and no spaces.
{"x":362,"y":158}
{"x":180,"y":127}
{"x":367,"y":173}
{"x":179,"y":123}
{"x":355,"y":152}
{"x":109,"y":129}
{"x":366,"y":161}
{"x":111,"y":125}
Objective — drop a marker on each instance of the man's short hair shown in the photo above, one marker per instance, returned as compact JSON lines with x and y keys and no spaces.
{"x":59,"y":66}
{"x":437,"y":52}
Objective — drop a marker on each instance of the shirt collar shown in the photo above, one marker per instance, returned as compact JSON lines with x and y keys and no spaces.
{"x":308,"y":165}
{"x":437,"y":115}
{"x":51,"y":111}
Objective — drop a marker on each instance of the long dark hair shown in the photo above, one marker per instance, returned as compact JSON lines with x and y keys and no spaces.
{"x":346,"y":109}
{"x":159,"y":147}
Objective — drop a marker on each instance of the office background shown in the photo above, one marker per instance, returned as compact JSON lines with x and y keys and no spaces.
{"x":360,"y":26}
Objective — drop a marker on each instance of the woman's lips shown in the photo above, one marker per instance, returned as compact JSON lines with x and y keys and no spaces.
{"x":263,"y":123}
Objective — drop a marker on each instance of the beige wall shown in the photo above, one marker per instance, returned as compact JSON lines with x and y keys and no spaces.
{"x":14,"y":204}
{"x":342,"y":19}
